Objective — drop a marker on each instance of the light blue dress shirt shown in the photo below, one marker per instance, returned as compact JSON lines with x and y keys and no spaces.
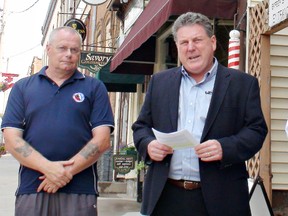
{"x":194,"y":102}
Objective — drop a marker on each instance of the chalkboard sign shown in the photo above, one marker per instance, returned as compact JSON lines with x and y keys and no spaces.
{"x":123,"y":164}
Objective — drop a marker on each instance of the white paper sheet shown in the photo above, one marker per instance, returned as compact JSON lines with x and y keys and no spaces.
{"x":177,"y":140}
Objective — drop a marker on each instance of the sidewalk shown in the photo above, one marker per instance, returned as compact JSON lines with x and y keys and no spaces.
{"x":117,"y":205}
{"x":8,"y":184}
{"x":108,"y":204}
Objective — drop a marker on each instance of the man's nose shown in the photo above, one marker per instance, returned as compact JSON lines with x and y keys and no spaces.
{"x":191,"y":45}
{"x":68,"y":51}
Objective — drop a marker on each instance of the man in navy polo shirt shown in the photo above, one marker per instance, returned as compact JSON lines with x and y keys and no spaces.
{"x":57,"y":124}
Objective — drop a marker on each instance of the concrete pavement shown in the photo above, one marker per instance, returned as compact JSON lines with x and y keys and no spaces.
{"x":117,"y":205}
{"x":8,"y":184}
{"x":108,"y":204}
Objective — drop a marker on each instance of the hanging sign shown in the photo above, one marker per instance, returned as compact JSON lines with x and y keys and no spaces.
{"x":94,"y":2}
{"x":93,"y":61}
{"x":123,"y":164}
{"x":78,"y":25}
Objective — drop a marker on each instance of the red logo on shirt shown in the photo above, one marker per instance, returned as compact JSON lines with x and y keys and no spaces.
{"x":78,"y":97}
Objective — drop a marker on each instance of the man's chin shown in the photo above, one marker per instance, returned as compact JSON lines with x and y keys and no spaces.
{"x":69,"y":69}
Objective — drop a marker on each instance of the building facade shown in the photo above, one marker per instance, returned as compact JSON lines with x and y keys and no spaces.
{"x":137,"y":33}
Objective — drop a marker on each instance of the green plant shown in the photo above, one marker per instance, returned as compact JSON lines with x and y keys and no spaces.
{"x":128,"y":150}
{"x":140,"y":166}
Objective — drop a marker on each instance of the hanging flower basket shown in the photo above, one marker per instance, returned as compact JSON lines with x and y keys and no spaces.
{"x":3,"y":86}
{"x":131,"y":150}
{"x":2,"y":150}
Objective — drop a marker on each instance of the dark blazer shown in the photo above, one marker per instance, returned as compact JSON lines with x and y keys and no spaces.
{"x":234,"y":118}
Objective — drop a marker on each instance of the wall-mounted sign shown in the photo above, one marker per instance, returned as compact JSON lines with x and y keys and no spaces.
{"x":278,"y":11}
{"x":94,"y":2}
{"x":93,"y":61}
{"x":78,"y":25}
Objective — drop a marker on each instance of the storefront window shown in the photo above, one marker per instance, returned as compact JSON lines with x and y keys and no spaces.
{"x":171,"y":53}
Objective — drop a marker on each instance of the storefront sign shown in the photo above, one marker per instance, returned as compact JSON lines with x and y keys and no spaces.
{"x":94,"y":2}
{"x":278,"y":11}
{"x":123,"y":164}
{"x":78,"y":25}
{"x":93,"y":61}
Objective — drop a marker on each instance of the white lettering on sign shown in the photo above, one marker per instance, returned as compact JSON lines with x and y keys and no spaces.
{"x":278,"y":11}
{"x":98,"y":58}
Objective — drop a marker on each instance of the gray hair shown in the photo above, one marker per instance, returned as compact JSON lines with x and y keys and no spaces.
{"x":191,"y":18}
{"x":53,"y":34}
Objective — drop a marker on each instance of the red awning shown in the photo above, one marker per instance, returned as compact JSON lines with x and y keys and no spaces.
{"x":157,"y":13}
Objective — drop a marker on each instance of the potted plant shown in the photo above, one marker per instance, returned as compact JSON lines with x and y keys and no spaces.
{"x":128,"y":150}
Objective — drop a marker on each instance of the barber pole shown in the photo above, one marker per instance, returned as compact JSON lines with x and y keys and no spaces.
{"x":234,"y":49}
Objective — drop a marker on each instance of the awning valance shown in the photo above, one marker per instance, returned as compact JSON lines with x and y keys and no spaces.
{"x":119,"y":82}
{"x":152,"y":19}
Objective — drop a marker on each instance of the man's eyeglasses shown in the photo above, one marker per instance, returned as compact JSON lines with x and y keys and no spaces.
{"x":63,"y":49}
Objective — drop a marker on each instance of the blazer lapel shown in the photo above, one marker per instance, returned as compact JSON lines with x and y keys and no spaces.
{"x":173,"y":88}
{"x":219,"y":91}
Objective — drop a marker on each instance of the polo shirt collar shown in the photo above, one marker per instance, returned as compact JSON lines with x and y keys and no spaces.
{"x":75,"y":76}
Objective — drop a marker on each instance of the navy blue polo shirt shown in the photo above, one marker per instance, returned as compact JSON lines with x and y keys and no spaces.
{"x":58,"y":122}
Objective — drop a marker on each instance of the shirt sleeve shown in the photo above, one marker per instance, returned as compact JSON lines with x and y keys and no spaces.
{"x":101,"y":111}
{"x":14,"y":113}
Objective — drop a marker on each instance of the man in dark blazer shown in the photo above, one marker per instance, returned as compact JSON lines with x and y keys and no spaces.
{"x":221,"y":108}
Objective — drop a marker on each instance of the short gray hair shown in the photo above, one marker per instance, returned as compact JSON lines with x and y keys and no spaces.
{"x":191,"y":18}
{"x":53,"y":34}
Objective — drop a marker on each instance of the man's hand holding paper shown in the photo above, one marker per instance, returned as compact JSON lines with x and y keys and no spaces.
{"x":177,"y":140}
{"x":158,"y":151}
